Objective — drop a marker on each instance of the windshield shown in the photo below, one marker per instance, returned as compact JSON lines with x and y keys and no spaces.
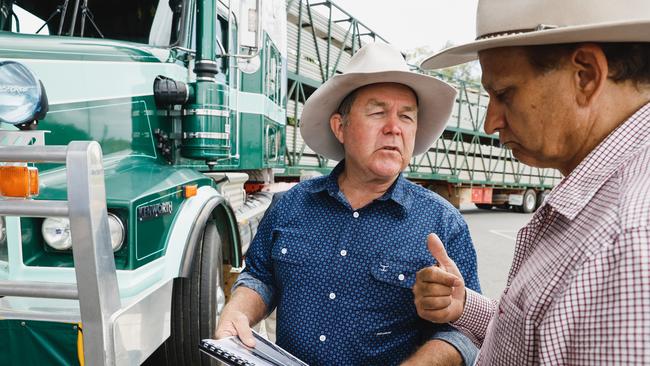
{"x":141,"y":21}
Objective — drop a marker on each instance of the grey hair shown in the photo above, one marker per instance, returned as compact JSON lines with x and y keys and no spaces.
{"x":346,"y":106}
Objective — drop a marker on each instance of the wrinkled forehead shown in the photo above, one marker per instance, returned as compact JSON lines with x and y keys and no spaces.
{"x":383,"y":93}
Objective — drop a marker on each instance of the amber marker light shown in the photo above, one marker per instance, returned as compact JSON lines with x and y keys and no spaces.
{"x":190,"y":191}
{"x":18,"y":181}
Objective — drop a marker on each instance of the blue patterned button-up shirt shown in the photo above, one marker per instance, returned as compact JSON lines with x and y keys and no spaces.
{"x":341,"y":278}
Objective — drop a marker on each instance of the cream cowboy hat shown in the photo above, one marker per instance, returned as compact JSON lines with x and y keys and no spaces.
{"x":505,"y":23}
{"x":375,"y":63}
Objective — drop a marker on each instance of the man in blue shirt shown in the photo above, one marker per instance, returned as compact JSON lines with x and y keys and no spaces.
{"x":337,"y":255}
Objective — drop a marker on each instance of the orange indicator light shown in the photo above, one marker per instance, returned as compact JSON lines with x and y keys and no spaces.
{"x":190,"y":191}
{"x":18,"y":181}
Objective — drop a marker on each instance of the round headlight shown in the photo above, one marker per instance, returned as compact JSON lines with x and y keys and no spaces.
{"x":22,"y":96}
{"x":56,"y":232}
{"x":116,"y":228}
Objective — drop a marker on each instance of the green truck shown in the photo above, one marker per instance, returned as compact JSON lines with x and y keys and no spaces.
{"x":157,"y":114}
{"x":140,"y":143}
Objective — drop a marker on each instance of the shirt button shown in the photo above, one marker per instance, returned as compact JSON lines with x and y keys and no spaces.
{"x":400,"y":277}
{"x":322,"y":338}
{"x":283,"y":251}
{"x":344,"y":253}
{"x":355,"y":214}
{"x":332,"y":296}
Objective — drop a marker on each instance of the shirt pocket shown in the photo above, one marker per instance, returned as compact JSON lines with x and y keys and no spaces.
{"x":511,"y":335}
{"x":292,"y":247}
{"x":395,"y":271}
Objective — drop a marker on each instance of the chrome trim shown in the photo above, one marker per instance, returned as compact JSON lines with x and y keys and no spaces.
{"x":207,"y":112}
{"x":119,"y":221}
{"x":206,"y":135}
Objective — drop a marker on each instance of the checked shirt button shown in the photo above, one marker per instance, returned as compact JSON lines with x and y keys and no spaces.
{"x":344,"y":253}
{"x":400,"y":277}
{"x":322,"y":338}
{"x":283,"y":251}
{"x":332,"y":296}
{"x":355,"y":214}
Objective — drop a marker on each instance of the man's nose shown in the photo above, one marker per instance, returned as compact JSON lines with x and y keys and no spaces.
{"x":495,"y":118}
{"x":392,"y":125}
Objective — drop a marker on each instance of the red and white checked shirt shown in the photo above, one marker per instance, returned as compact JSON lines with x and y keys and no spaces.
{"x":578,"y":292}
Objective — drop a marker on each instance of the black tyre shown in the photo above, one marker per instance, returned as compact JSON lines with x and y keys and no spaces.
{"x":194,"y":306}
{"x":530,"y":201}
{"x":484,"y":206}
{"x":541,"y":197}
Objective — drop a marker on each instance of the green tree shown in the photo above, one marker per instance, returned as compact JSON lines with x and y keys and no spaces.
{"x":468,"y":72}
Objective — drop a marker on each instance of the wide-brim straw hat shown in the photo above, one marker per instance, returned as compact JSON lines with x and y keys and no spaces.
{"x":506,"y":23}
{"x":375,"y":63}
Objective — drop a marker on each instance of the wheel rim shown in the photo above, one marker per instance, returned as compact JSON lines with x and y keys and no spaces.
{"x":530,"y":202}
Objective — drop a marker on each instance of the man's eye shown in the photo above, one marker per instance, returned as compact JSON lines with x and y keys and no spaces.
{"x":503,"y":95}
{"x":407,"y":117}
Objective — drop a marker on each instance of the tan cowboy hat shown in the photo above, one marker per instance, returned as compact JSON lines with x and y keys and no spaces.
{"x":505,"y":23}
{"x":375,"y":63}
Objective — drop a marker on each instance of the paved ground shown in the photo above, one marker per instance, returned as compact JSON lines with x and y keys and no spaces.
{"x":494,"y":233}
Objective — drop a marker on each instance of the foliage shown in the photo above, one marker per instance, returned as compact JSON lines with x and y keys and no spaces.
{"x":468,"y":72}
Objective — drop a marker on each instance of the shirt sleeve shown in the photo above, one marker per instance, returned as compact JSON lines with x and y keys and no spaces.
{"x":476,"y":316}
{"x":604,"y":314}
{"x":265,"y":291}
{"x":478,"y":308}
{"x":463,"y":344}
{"x":258,"y":272}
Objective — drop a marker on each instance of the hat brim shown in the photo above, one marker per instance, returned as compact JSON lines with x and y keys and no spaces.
{"x":632,"y":31}
{"x":435,"y":102}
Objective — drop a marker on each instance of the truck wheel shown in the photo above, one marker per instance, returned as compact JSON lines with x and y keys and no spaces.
{"x":530,"y":201}
{"x":194,"y":306}
{"x":484,"y":206}
{"x":541,"y":197}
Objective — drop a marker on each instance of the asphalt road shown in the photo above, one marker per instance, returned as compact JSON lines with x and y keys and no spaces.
{"x":494,"y":233}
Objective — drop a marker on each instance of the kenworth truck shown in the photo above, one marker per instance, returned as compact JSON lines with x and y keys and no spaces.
{"x":129,"y":128}
{"x":135,"y":139}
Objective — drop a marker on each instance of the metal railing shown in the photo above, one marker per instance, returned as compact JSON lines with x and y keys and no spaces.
{"x":321,"y":40}
{"x":96,"y":285}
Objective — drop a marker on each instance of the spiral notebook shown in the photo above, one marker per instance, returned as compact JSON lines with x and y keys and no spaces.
{"x":233,"y":352}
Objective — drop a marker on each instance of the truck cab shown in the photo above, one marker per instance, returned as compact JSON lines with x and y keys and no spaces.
{"x":137,"y":129}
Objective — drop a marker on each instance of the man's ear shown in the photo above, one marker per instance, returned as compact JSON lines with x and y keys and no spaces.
{"x":336,"y":124}
{"x":591,"y":70}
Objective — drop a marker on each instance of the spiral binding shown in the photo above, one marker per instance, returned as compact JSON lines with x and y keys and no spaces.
{"x":227,"y":355}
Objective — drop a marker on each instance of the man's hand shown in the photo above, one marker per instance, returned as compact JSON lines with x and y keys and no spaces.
{"x":235,"y":323}
{"x":439,"y":290}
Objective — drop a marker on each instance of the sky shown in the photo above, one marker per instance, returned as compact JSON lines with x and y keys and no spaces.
{"x":408,"y":24}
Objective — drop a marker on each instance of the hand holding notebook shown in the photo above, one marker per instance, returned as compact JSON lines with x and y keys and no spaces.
{"x":233,"y":352}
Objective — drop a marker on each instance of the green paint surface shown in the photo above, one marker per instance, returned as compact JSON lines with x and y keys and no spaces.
{"x":36,"y":343}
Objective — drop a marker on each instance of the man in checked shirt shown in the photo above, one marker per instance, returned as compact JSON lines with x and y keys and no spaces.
{"x":569,"y":85}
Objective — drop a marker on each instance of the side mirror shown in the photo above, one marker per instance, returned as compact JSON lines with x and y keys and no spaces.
{"x":22,"y":96}
{"x":250,"y":25}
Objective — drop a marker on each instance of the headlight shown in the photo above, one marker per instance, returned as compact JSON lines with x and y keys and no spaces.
{"x":56,"y":232}
{"x":116,"y":228}
{"x":22,"y":96}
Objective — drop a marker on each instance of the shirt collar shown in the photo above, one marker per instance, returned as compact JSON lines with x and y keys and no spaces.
{"x":398,"y":191}
{"x":576,"y":190}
